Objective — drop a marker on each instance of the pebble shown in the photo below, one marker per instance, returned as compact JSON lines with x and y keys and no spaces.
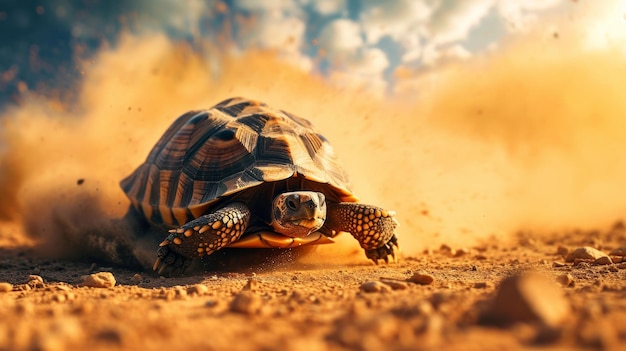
{"x":527,"y":298}
{"x":180,"y":292}
{"x":245,"y":302}
{"x":445,"y":248}
{"x":136,"y":278}
{"x":395,"y":284}
{"x":482,"y":285}
{"x":198,"y":289}
{"x":565,"y":280}
{"x":460,"y":252}
{"x":620,"y":251}
{"x":421,"y":278}
{"x":6,"y":287}
{"x":562,"y":250}
{"x":558,"y":264}
{"x":604,"y":260}
{"x":98,"y":280}
{"x":251,"y":285}
{"x":35,"y":281}
{"x":585,"y":253}
{"x":374,"y":286}
{"x":622,"y":265}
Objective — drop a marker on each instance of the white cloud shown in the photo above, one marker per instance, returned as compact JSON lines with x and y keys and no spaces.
{"x":397,"y":19}
{"x":523,"y":15}
{"x":340,"y":37}
{"x":369,"y":62}
{"x":416,"y":24}
{"x":435,"y":56}
{"x":267,"y":29}
{"x":273,"y":6}
{"x":364,"y":71}
{"x":269,"y":32}
{"x":329,"y":7}
{"x":453,"y":20}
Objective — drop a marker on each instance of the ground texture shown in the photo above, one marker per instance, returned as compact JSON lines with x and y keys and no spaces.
{"x":448,"y":298}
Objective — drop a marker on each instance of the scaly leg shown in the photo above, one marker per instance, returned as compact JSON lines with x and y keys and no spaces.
{"x":202,"y":236}
{"x":372,"y":226}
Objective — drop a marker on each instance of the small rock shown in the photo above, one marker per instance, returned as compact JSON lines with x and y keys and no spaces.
{"x":394,"y":284}
{"x":460,"y":252}
{"x":604,"y":260}
{"x":60,"y":287}
{"x":251,"y":285}
{"x":198,"y":289}
{"x":529,"y":298}
{"x":6,"y":287}
{"x":584,"y":253}
{"x":35,"y":281}
{"x":421,"y":278}
{"x":136,"y":279}
{"x":620,"y":251}
{"x":565,"y":279}
{"x":562,"y":250}
{"x":98,"y":280}
{"x":558,"y":264}
{"x":180,"y":293}
{"x":580,"y":263}
{"x":445,"y":248}
{"x":35,"y":278}
{"x":245,"y":302}
{"x":481,"y":285}
{"x":374,"y":286}
{"x":622,"y":265}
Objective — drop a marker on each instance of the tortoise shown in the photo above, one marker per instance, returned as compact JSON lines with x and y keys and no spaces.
{"x":243,"y":174}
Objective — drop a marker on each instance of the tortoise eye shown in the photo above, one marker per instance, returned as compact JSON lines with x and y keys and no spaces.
{"x":292,"y":203}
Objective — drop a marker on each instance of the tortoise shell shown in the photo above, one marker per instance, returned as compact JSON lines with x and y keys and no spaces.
{"x":240,"y":149}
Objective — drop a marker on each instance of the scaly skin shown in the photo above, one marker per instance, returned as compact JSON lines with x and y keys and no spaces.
{"x":372,"y":226}
{"x":202,"y":236}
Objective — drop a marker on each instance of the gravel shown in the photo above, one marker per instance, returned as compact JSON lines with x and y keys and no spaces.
{"x":99,"y":280}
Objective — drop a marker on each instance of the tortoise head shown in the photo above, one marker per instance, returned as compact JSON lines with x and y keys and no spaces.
{"x":299,"y":213}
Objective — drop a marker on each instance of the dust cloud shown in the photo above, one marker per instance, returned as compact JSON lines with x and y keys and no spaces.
{"x":530,"y":136}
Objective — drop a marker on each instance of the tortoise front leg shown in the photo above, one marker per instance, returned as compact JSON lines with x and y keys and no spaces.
{"x":372,"y":226}
{"x":202,"y":236}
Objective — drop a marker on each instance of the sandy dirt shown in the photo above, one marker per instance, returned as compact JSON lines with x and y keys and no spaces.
{"x":321,"y":306}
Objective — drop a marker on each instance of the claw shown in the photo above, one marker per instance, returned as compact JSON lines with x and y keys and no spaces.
{"x":157,"y":263}
{"x":162,"y":269}
{"x":165,"y":243}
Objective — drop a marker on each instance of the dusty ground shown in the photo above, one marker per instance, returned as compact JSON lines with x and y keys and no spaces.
{"x":318,"y":306}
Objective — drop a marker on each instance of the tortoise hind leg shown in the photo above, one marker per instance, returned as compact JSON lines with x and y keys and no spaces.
{"x":202,"y":236}
{"x":372,"y":226}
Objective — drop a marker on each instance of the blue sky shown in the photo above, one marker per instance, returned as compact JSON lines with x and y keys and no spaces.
{"x":351,"y":42}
